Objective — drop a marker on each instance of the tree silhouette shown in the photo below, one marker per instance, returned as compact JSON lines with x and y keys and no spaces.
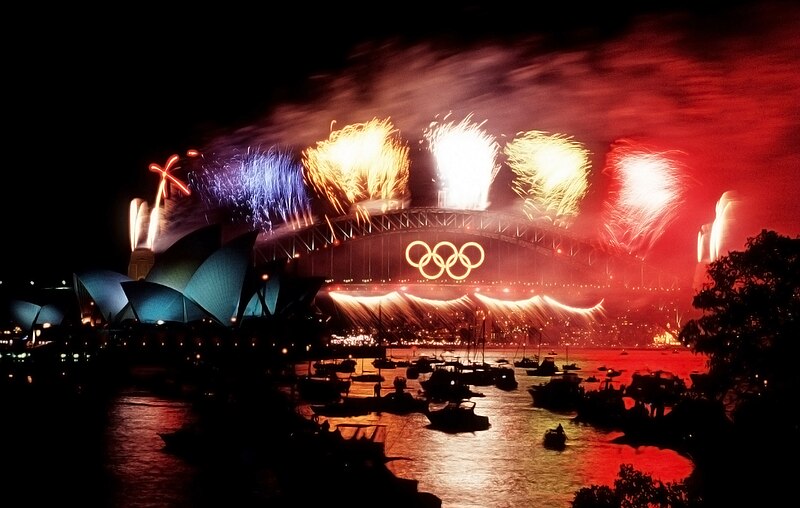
{"x":749,"y":331}
{"x":749,"y":327}
{"x":632,"y":489}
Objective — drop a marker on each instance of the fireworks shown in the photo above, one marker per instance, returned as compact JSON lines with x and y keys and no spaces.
{"x":359,"y":167}
{"x":364,"y":169}
{"x":537,"y":309}
{"x":138,"y":213}
{"x":648,"y":189}
{"x":137,"y":216}
{"x":366,"y":312}
{"x":466,"y":163}
{"x":167,"y":180}
{"x":264,"y":189}
{"x":551,"y":174}
{"x":710,"y":238}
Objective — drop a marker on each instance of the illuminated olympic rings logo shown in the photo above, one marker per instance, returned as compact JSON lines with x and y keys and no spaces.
{"x":442,"y":262}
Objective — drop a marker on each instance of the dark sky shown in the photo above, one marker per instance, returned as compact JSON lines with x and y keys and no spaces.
{"x":92,"y":98}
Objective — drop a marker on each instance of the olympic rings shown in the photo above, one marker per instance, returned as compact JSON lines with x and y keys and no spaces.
{"x":444,"y":263}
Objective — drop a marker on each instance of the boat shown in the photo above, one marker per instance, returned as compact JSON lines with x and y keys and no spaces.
{"x":356,"y":442}
{"x":546,"y":368}
{"x":446,"y":383}
{"x":397,"y":402}
{"x":530,"y":362}
{"x":527,"y":362}
{"x":346,"y":407}
{"x":322,"y":367}
{"x":421,"y":365}
{"x":563,"y":392}
{"x":456,"y":416}
{"x":384,"y":363}
{"x":658,"y":387}
{"x":555,"y":439}
{"x":569,"y":366}
{"x":477,"y":373}
{"x":505,"y":379}
{"x":327,"y":388}
{"x":368,"y":377}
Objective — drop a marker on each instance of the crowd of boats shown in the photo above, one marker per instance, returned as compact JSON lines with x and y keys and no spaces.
{"x":449,"y":385}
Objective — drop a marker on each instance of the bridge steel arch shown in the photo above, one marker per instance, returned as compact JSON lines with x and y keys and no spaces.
{"x":606,"y":267}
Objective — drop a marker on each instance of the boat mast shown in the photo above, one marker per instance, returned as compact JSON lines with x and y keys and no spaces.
{"x":539,"y":353}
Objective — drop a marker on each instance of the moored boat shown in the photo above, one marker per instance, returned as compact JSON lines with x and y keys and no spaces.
{"x":527,"y":362}
{"x":563,"y":392}
{"x":322,"y":388}
{"x":546,"y":368}
{"x":457,"y":416}
{"x":505,"y":378}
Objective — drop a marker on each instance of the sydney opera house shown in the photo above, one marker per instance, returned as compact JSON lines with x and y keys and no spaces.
{"x":199,"y":283}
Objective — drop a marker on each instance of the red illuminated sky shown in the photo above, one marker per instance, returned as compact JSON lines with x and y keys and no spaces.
{"x":97,"y":104}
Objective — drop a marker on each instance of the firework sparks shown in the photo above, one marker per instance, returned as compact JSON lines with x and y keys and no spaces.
{"x":711,"y":237}
{"x":647,"y":191}
{"x":167,"y":180}
{"x":360,"y":167}
{"x":466,"y":163}
{"x":551,"y":174}
{"x":426,"y":313}
{"x":262,"y":188}
{"x":137,"y":216}
{"x":535,"y":310}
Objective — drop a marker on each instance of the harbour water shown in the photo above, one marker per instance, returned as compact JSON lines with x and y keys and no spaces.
{"x":507,"y":465}
{"x":118,"y":459}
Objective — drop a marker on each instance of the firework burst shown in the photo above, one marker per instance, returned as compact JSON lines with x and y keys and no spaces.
{"x":466,"y":163}
{"x":711,"y":237}
{"x":551,"y":174}
{"x":647,"y":190}
{"x":360,"y":167}
{"x":263,"y":188}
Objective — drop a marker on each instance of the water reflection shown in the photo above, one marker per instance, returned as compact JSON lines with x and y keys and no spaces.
{"x":506,"y":465}
{"x":145,"y":475}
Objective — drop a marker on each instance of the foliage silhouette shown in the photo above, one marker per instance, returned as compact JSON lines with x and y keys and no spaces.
{"x":749,"y":329}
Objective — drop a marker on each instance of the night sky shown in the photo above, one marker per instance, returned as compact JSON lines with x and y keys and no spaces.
{"x":92,"y":98}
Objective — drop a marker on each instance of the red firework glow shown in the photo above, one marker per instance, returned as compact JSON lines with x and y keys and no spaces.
{"x":647,"y":191}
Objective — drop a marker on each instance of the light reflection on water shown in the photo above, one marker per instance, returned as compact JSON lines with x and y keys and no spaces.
{"x":145,"y":475}
{"x":507,"y":465}
{"x":504,"y":466}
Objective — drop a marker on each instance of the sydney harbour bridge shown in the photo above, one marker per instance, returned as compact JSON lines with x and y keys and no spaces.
{"x":502,"y":268}
{"x":476,"y":249}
